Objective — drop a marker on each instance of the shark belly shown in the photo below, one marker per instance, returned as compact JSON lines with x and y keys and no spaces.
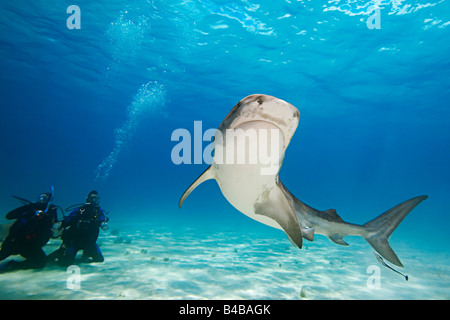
{"x":240,"y":192}
{"x":248,"y":166}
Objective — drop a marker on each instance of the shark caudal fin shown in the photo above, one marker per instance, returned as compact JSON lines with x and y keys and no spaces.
{"x":380,"y":229}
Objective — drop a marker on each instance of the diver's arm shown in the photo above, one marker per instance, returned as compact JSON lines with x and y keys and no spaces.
{"x":103,"y":220}
{"x":102,"y":217}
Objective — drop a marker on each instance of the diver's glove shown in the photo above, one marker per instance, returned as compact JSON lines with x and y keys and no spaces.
{"x":104,"y":226}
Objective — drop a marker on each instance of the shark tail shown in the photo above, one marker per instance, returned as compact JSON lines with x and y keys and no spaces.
{"x":380,"y":229}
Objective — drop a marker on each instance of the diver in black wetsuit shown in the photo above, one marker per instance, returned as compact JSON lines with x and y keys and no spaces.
{"x":29,"y":233}
{"x":81,"y":229}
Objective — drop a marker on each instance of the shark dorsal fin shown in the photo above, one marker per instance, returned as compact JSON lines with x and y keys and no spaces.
{"x":332,"y":214}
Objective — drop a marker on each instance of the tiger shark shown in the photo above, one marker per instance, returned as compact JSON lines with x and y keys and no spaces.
{"x":256,"y":190}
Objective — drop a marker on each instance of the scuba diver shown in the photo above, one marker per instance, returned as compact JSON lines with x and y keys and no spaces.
{"x":81,"y":230}
{"x":29,"y":233}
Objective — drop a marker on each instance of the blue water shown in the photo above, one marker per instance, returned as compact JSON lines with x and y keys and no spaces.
{"x":94,"y":108}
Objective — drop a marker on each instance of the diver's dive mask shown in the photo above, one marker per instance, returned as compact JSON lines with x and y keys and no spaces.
{"x":44,"y":198}
{"x":93,"y":199}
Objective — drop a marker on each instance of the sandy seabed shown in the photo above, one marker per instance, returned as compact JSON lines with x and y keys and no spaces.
{"x":153,"y":262}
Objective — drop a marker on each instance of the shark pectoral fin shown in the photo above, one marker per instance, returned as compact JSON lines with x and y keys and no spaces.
{"x":275,"y":206}
{"x":206,"y":175}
